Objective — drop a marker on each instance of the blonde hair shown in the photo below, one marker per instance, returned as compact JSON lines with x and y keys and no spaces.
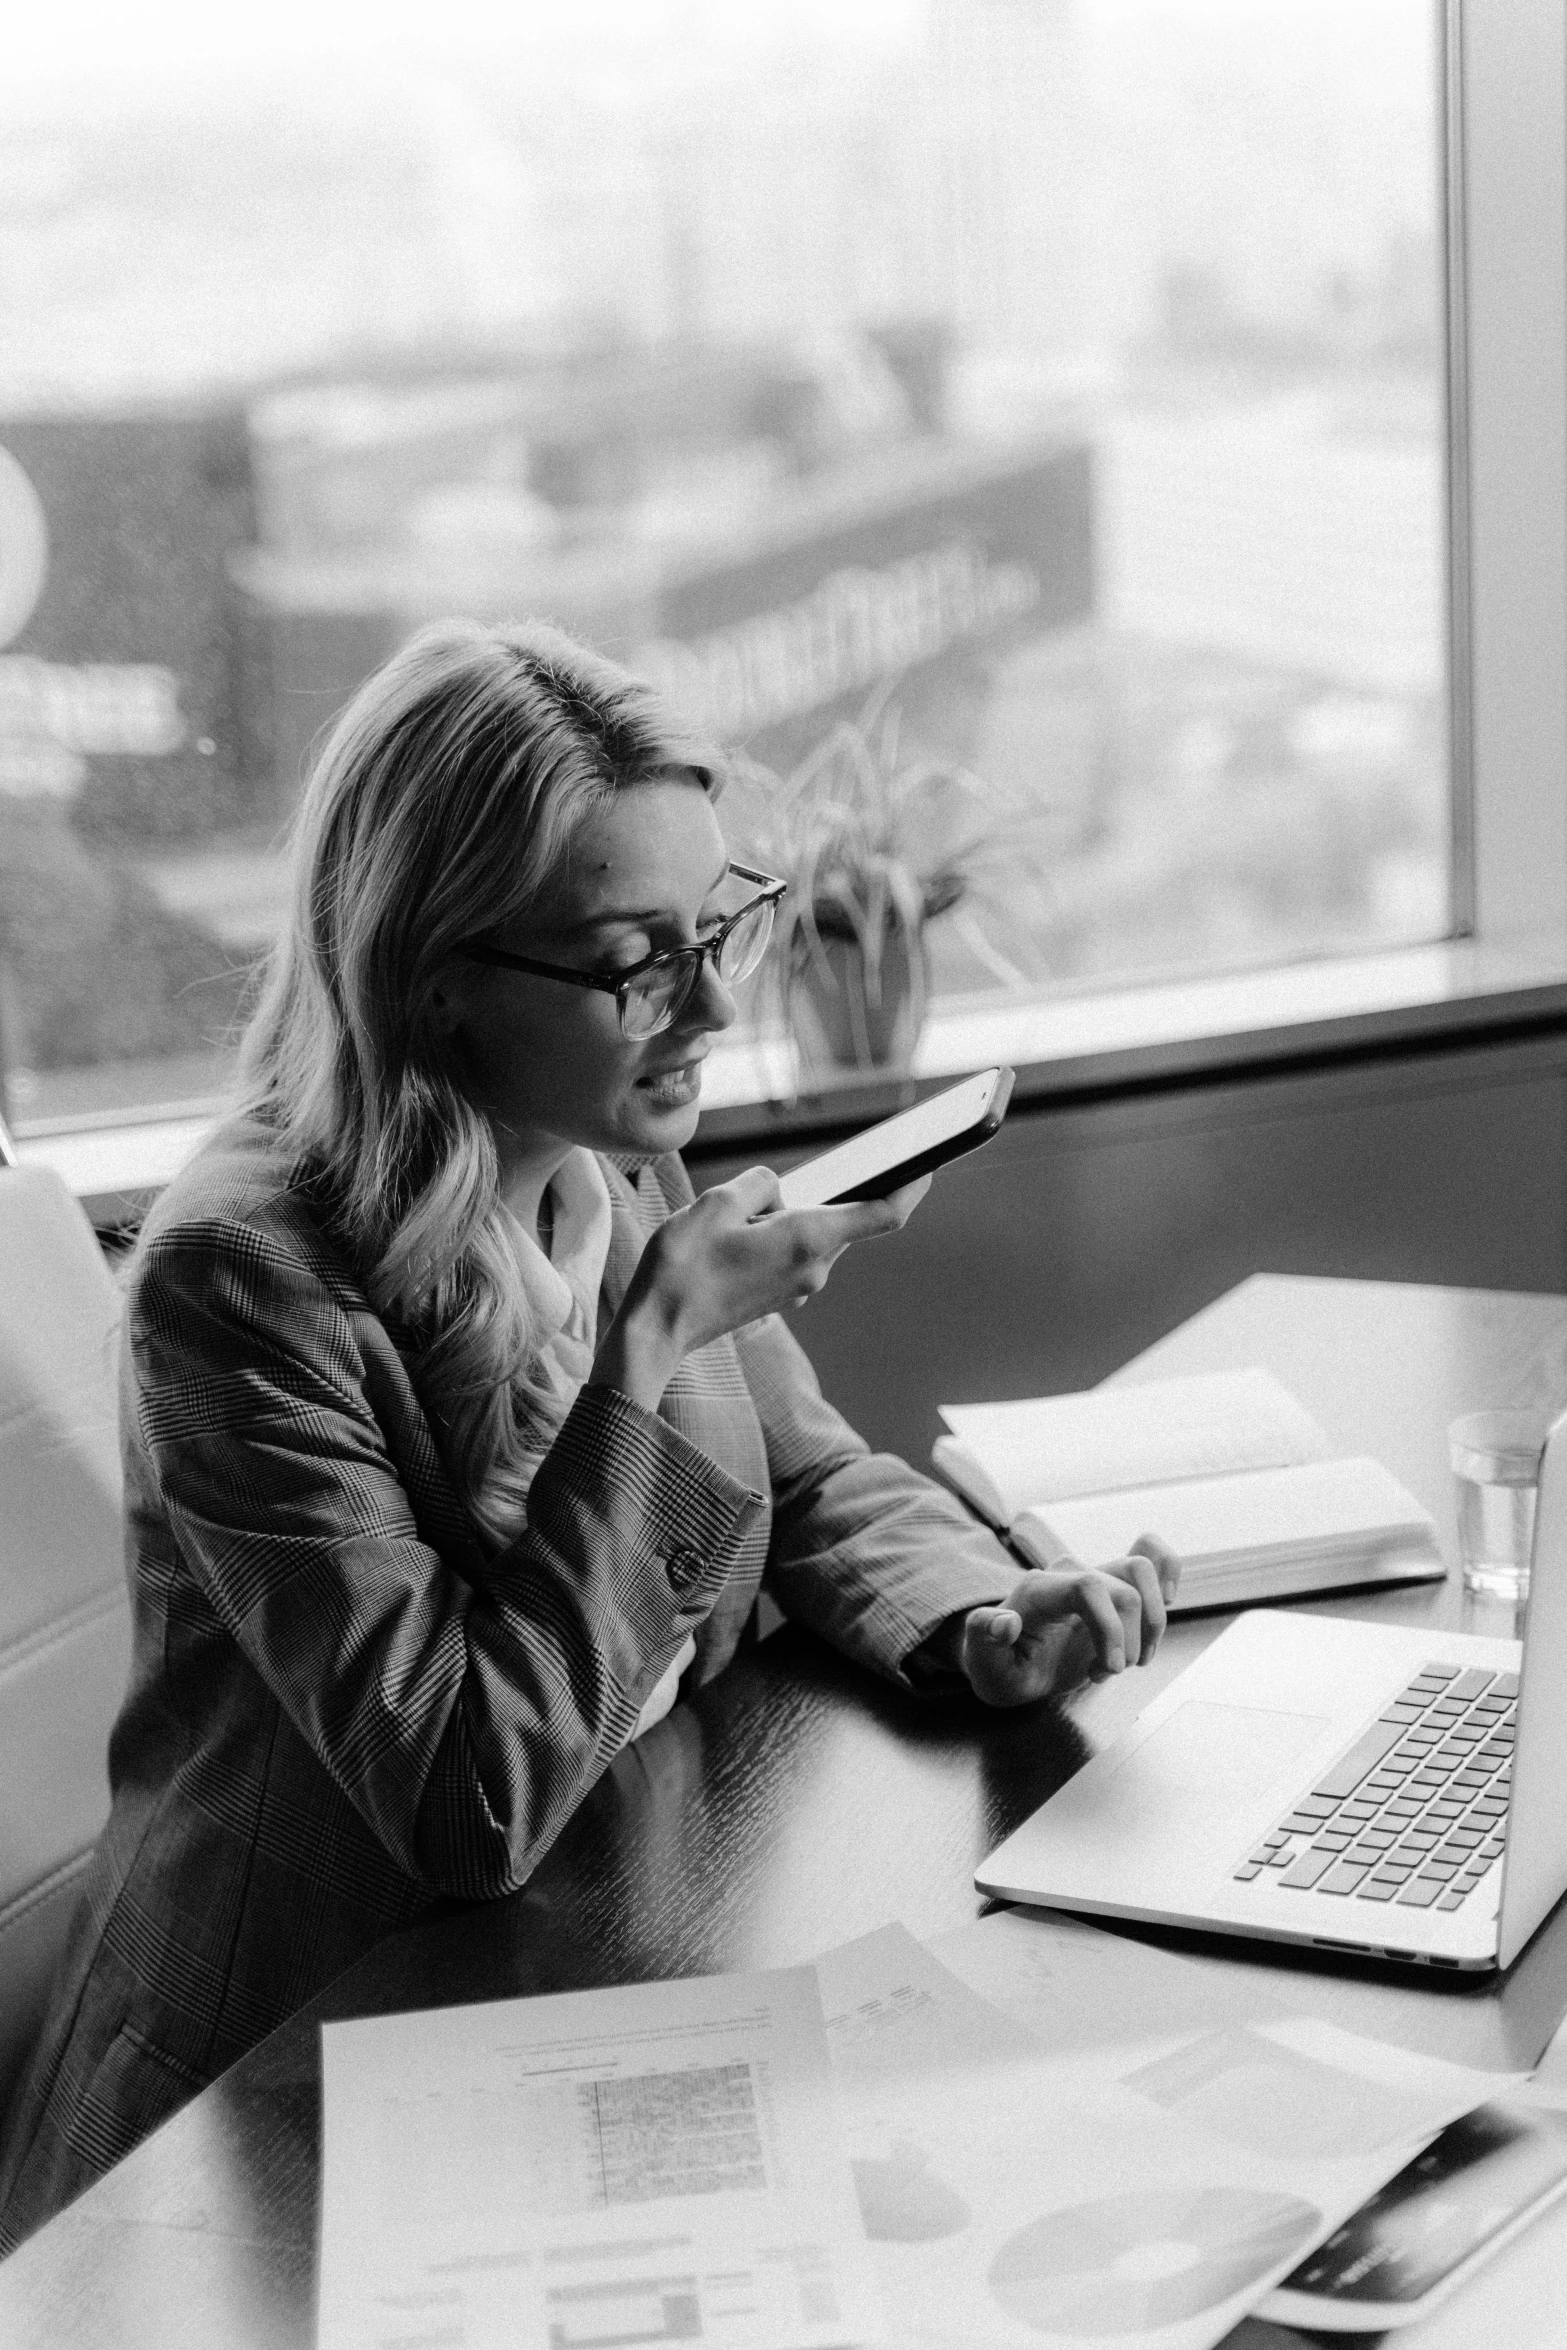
{"x":441,"y":805}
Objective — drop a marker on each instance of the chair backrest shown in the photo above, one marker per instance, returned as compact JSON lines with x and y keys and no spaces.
{"x":64,"y":1618}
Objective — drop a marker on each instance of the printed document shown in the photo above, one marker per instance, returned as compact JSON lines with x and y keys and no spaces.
{"x":1151,"y":2181}
{"x":1075,"y":1986}
{"x":654,"y":2163}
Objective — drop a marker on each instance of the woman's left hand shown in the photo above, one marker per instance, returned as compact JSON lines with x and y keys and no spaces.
{"x":1062,"y":1625}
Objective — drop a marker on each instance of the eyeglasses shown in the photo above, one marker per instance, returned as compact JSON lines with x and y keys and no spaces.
{"x":652,"y":994}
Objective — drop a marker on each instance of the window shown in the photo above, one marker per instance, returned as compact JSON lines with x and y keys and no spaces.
{"x":1063,"y":379}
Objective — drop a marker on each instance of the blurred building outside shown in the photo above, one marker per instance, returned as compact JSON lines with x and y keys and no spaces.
{"x":847,"y":379}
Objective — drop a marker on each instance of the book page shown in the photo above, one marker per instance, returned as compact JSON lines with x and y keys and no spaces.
{"x":1273,"y":1513}
{"x":1046,"y":1448}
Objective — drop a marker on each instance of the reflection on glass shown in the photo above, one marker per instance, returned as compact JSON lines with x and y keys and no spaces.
{"x":1064,"y":374}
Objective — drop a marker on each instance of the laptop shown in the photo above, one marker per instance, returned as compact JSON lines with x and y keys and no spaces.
{"x":1352,"y":1785}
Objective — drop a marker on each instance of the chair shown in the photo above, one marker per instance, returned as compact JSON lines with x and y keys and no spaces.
{"x":64,"y":1617}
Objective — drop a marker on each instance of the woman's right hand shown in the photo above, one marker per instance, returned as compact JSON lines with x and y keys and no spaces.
{"x":734,"y":1254}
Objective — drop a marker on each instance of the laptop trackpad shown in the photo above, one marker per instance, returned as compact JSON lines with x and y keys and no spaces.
{"x":1202,"y":1762}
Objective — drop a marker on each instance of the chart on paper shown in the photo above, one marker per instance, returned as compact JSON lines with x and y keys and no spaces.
{"x":690,"y":2133}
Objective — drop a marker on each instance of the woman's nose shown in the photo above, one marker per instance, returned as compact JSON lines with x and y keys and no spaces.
{"x":711,"y":1005}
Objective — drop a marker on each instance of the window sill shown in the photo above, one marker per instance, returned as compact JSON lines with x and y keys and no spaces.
{"x":1064,"y":1047}
{"x":1089,"y":1045}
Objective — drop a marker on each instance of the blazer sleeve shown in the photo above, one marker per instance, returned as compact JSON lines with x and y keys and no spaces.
{"x":464,"y":1723}
{"x":864,"y":1549}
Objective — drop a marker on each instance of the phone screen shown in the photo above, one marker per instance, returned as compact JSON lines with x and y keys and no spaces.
{"x":895,"y":1142}
{"x":1470,"y":2186}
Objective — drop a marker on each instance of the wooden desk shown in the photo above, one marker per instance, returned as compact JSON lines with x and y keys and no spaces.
{"x":796,"y":1803}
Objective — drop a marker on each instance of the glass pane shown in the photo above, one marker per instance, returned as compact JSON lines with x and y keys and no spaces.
{"x":1020,"y":418}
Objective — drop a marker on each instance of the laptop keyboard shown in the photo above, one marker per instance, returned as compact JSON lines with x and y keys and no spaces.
{"x":1414,"y":1812}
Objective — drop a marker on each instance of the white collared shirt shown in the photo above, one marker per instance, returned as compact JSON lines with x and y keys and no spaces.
{"x":563,"y":1287}
{"x":563,"y":1296}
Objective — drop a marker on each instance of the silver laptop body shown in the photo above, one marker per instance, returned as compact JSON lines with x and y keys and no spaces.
{"x":1224,"y":1805}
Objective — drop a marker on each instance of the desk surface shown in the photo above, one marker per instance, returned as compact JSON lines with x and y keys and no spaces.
{"x":797,"y":1802}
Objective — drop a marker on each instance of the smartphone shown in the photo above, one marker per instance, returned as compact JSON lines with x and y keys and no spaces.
{"x":900,"y":1148}
{"x":1422,"y":2234}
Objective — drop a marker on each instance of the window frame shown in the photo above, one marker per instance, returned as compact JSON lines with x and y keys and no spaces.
{"x":1502,"y":74}
{"x":1506,"y":172}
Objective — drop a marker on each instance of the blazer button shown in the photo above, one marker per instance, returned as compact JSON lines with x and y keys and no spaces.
{"x":685,"y":1563}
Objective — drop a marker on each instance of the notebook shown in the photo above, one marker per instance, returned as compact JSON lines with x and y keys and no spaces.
{"x":1227,"y":1467}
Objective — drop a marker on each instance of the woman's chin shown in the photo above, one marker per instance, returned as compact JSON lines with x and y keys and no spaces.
{"x":663,"y":1125}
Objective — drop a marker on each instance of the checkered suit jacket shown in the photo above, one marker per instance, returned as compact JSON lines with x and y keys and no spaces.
{"x":345,"y":1704}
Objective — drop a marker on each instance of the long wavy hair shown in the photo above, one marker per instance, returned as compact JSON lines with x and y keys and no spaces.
{"x":441,"y":806}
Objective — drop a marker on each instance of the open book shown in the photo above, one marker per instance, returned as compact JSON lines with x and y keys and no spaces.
{"x":1226,"y":1467}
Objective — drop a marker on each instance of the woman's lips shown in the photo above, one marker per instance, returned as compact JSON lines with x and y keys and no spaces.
{"x":676,"y":1087}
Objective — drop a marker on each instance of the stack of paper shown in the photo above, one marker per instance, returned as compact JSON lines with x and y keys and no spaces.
{"x":1100,"y":2143}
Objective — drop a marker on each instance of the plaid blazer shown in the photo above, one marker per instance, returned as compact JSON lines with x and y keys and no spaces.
{"x":345,"y":1703}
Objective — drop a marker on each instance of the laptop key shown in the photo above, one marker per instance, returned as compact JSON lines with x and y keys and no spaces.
{"x":1303,"y":1823}
{"x":1472,"y":1684}
{"x":1309,"y":1867}
{"x":1451,"y":1901}
{"x":1505,"y":1685}
{"x":1442,"y":1870}
{"x":1249,"y":1868}
{"x":1420,"y":1894}
{"x":1343,"y":1878}
{"x":1438,"y":1673}
{"x":1374,"y":1890}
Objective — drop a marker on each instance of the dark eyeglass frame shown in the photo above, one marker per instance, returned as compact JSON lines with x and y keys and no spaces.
{"x":619,"y":983}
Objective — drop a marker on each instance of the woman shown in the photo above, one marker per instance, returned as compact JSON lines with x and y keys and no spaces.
{"x":455,"y":1429}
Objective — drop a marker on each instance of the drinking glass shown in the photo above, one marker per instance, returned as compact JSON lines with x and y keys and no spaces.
{"x":1496,"y":1474}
